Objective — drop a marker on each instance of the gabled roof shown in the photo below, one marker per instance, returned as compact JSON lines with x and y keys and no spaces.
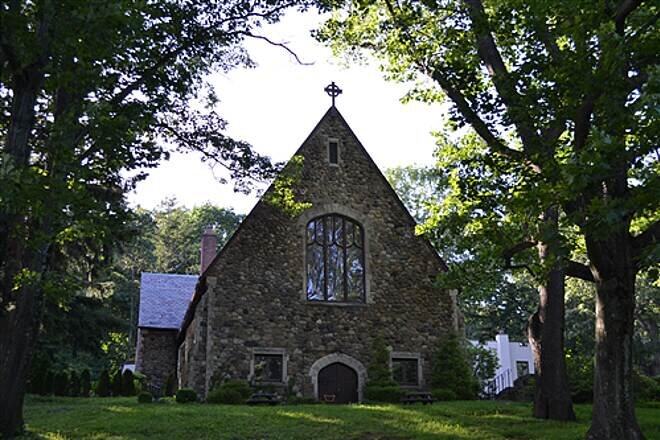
{"x":164,"y":299}
{"x":200,"y":289}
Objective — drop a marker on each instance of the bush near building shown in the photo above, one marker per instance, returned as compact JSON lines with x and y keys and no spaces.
{"x":451,"y":375}
{"x":186,"y":395}
{"x":232,"y":392}
{"x":380,"y":386}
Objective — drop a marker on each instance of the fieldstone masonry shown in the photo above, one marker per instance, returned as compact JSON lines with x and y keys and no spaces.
{"x":156,"y":355}
{"x":164,"y":299}
{"x":255,"y":287}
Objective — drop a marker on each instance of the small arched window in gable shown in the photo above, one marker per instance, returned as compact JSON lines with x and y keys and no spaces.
{"x":335,"y":259}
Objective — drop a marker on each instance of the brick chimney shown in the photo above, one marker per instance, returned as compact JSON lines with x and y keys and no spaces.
{"x":209,"y":246}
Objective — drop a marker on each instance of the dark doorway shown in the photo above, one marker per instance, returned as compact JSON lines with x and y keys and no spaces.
{"x":338,"y":383}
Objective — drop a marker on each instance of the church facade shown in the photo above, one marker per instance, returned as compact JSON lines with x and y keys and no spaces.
{"x":295,"y":300}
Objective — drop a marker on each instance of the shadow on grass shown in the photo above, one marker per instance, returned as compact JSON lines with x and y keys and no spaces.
{"x":124,"y":418}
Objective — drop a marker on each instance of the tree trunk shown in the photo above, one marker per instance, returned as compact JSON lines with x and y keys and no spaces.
{"x":613,"y":416}
{"x":552,"y":398}
{"x":19,"y":309}
{"x":18,"y":328}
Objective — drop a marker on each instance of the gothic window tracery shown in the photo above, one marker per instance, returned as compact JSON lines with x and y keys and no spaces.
{"x":335,"y":259}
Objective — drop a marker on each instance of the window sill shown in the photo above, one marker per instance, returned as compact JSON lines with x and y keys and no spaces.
{"x":335,"y":304}
{"x":264,"y":383}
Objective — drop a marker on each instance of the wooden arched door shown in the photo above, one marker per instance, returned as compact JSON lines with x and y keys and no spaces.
{"x":338,"y":383}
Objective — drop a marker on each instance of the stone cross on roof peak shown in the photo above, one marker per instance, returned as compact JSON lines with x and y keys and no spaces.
{"x":333,"y":91}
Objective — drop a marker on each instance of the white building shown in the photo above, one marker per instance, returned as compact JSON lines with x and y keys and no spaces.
{"x":515,"y":359}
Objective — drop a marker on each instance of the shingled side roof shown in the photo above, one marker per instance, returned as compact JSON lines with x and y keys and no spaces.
{"x":164,"y":299}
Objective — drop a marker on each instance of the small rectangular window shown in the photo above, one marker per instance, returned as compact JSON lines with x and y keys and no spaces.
{"x":522,"y":367}
{"x":333,"y":152}
{"x":268,"y":367}
{"x":405,"y":371}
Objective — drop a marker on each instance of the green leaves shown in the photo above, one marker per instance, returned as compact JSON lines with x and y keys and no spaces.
{"x":175,"y":232}
{"x":281,"y":194}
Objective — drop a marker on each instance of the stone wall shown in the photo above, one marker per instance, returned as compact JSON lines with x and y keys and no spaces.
{"x":156,"y":355}
{"x":258,"y":295}
{"x":192,"y":352}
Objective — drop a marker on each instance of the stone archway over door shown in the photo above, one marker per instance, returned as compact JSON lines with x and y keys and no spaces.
{"x":340,"y":358}
{"x":338,"y":383}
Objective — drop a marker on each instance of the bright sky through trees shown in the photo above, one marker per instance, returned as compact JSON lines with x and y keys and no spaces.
{"x":275,"y":106}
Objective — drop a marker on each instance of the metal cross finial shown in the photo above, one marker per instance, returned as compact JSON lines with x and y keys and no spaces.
{"x":333,"y":91}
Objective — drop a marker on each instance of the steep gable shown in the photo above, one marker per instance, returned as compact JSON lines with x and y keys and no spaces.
{"x":325,"y":186}
{"x":266,"y":295}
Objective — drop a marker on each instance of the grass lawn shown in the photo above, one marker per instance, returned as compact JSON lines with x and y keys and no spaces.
{"x":123,"y":418}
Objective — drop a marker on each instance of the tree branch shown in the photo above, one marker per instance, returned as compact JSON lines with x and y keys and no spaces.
{"x":464,"y":107}
{"x":626,"y":7}
{"x":578,"y":270}
{"x":509,"y":253}
{"x":548,"y":41}
{"x":636,"y":82}
{"x":7,"y":53}
{"x":517,"y":248}
{"x":510,"y":266}
{"x":582,"y":121}
{"x":490,"y":55}
{"x":650,"y":236}
{"x":117,"y":99}
{"x":475,"y":120}
{"x":644,"y":27}
{"x":264,"y":15}
{"x":282,"y":45}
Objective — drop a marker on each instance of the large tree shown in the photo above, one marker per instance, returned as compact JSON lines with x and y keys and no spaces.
{"x":178,"y":230}
{"x":492,"y":237}
{"x":564,"y":96}
{"x":492,"y":298}
{"x":91,"y":321}
{"x":91,"y":94}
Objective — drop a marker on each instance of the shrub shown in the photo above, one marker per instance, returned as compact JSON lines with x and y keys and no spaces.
{"x":115,"y":385}
{"x":580,"y":377}
{"x":61,"y":384}
{"x":145,"y":397}
{"x":103,"y":385}
{"x":443,"y":394}
{"x":37,"y":379}
{"x":74,"y":385}
{"x":185,"y":395}
{"x":127,"y":384}
{"x":231,"y":392}
{"x":378,"y":371}
{"x":381,"y":387}
{"x":484,"y":364}
{"x":225,"y":395}
{"x":49,"y":383}
{"x":85,"y":383}
{"x":645,"y":388}
{"x":384,"y":393}
{"x":140,"y":381}
{"x":523,"y":390}
{"x":451,"y":371}
{"x":170,"y":385}
{"x":38,"y":382}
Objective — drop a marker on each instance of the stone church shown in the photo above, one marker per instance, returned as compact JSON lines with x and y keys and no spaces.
{"x":295,"y":301}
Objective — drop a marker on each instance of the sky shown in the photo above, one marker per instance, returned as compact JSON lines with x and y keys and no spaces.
{"x":275,"y":105}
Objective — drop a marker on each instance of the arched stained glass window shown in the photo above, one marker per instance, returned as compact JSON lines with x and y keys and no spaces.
{"x":335,"y":259}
